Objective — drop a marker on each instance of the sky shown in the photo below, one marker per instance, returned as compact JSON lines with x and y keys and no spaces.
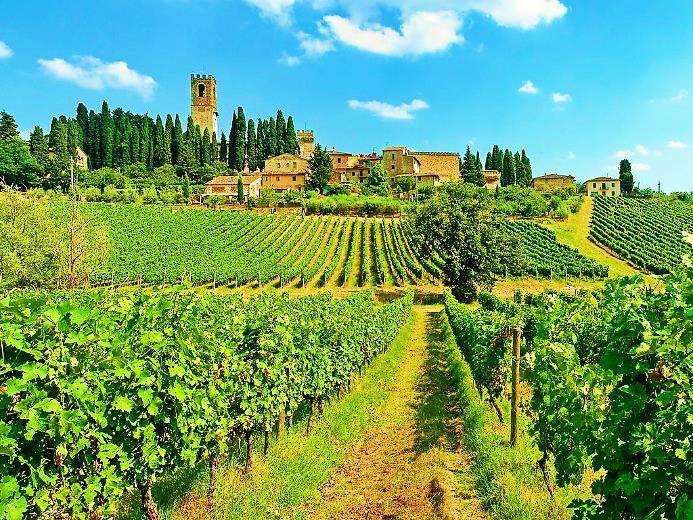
{"x":579,"y":84}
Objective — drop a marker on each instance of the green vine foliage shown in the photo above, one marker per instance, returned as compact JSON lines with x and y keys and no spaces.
{"x":610,"y":374}
{"x":102,"y":393}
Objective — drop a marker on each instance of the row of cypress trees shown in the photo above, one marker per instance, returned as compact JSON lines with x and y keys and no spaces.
{"x":515,"y":169}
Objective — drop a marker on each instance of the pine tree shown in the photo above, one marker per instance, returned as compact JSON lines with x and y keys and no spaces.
{"x":251,"y":144}
{"x":489,"y":162}
{"x":232,"y":140}
{"x":176,"y":140}
{"x":8,"y":126}
{"x":291,"y":141}
{"x":107,"y":131}
{"x":527,"y":167}
{"x":206,"y":150}
{"x":508,"y":175}
{"x":280,"y":125}
{"x":468,"y":165}
{"x":478,"y":162}
{"x":272,"y":139}
{"x":223,"y":150}
{"x":83,"y":122}
{"x":239,"y":142}
{"x":38,"y":146}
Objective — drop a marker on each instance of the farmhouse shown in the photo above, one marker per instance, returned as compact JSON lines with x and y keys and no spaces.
{"x":552,"y":181}
{"x":81,"y":158}
{"x":399,"y":160}
{"x":285,"y":172}
{"x":492,"y":178}
{"x":604,"y":186}
{"x":227,"y":186}
{"x":349,"y":168}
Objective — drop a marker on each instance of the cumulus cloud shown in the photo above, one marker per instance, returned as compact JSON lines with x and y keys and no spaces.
{"x":288,"y":60}
{"x":640,"y":167}
{"x":676,"y":145}
{"x":423,"y":32}
{"x":5,"y":51}
{"x":559,"y":98}
{"x":92,"y":73}
{"x":523,"y":14}
{"x":682,"y":94}
{"x":388,"y":111}
{"x":277,"y":10}
{"x":314,"y":46}
{"x":528,"y":87}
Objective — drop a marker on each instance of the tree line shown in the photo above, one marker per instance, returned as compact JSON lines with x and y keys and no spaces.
{"x":515,"y":169}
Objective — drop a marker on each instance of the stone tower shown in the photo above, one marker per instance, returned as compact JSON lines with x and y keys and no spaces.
{"x":306,"y":143}
{"x":203,"y":104}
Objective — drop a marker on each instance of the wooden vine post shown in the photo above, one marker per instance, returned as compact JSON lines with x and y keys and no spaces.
{"x":514,"y":403}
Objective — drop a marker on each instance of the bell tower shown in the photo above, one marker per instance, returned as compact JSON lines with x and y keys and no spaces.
{"x":203,"y":105}
{"x":306,"y":143}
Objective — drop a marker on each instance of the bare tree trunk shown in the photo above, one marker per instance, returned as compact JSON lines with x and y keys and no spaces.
{"x":151,"y":512}
{"x":498,"y":410}
{"x":213,"y":466}
{"x":545,"y":472}
{"x":267,"y":442}
{"x":248,"y":452}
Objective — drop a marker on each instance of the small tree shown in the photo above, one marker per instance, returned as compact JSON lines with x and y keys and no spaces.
{"x":625,"y":174}
{"x":240,"y":196}
{"x":377,"y":180}
{"x":186,"y":189}
{"x":406,"y":183}
{"x":320,"y":165}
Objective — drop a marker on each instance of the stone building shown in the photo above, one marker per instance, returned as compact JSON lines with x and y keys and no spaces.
{"x":285,"y":172}
{"x":604,"y":186}
{"x":400,"y":161}
{"x":552,"y":181}
{"x":203,"y":105}
{"x":492,"y":179}
{"x":306,"y":143}
{"x":349,"y":168}
{"x":227,"y":186}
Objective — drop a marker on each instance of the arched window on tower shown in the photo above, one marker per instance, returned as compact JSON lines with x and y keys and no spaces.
{"x":201,"y":90}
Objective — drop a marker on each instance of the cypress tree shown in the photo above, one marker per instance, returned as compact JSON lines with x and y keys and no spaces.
{"x":508,"y":175}
{"x":73,"y":132}
{"x":145,"y":134}
{"x":176,"y":140}
{"x":489,"y":162}
{"x":57,"y":140}
{"x":497,"y":158}
{"x":38,"y":146}
{"x":161,"y":153}
{"x":527,"y":166}
{"x":83,"y":122}
{"x":240,"y":195}
{"x":223,"y":150}
{"x":169,"y":137}
{"x":197,"y":141}
{"x":625,"y":175}
{"x":281,"y":133}
{"x":134,"y":144}
{"x":94,"y":140}
{"x":239,"y":142}
{"x":272,"y":138}
{"x":206,"y":148}
{"x":266,"y":140}
{"x":8,"y":126}
{"x":291,"y":141}
{"x":232,"y":141}
{"x":478,"y":162}
{"x":252,"y":146}
{"x":214,"y":148}
{"x":107,"y":131}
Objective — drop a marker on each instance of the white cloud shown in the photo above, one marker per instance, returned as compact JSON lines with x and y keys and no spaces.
{"x":90,"y":72}
{"x":524,"y":14}
{"x":676,"y":145}
{"x":557,"y":97}
{"x":640,"y":167}
{"x":288,"y":60}
{"x":422,"y":32}
{"x":571,"y":156}
{"x":5,"y":51}
{"x":623,"y":154}
{"x":277,"y":10}
{"x":642,"y":150}
{"x":388,"y":111}
{"x":528,"y":88}
{"x":313,"y":46}
{"x":682,"y":94}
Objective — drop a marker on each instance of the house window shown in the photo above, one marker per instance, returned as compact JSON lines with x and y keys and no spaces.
{"x":393,"y":157}
{"x":594,"y":184}
{"x":392,"y":167}
{"x":339,"y":160}
{"x":277,"y":177}
{"x":293,"y":178}
{"x":613,"y":193}
{"x":201,"y":90}
{"x":294,"y":164}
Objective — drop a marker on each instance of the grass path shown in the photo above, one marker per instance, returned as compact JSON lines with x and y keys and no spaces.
{"x":574,"y":232}
{"x":409,"y":465}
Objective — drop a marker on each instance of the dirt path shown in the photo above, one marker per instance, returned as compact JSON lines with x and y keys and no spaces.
{"x":410,"y":464}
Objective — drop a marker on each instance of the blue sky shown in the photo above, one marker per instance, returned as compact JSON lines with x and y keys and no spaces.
{"x":578,"y":84}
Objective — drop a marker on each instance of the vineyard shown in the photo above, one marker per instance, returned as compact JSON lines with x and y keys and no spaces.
{"x":646,"y":232}
{"x":609,"y":375}
{"x":152,"y":245}
{"x":102,"y":394}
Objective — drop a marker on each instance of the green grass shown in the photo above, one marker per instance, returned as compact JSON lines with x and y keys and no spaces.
{"x":508,"y":480}
{"x":295,"y":466}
